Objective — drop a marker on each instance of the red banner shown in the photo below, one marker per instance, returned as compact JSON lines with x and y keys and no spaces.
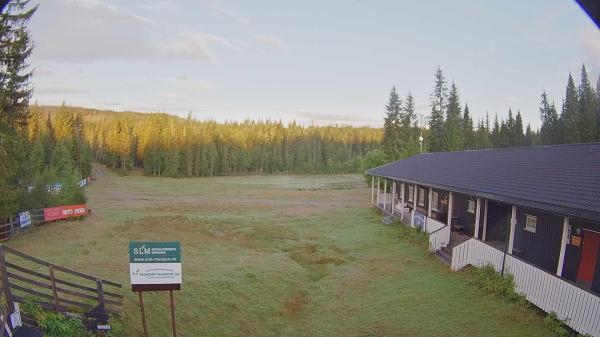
{"x":64,"y":212}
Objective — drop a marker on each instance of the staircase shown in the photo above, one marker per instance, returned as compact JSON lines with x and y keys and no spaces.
{"x":445,"y":255}
{"x":387,"y":219}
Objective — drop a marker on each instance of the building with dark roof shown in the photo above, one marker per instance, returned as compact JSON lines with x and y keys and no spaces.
{"x":526,"y":210}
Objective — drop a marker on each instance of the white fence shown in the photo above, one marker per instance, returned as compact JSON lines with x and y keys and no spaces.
{"x":579,"y":308}
{"x":439,"y":234}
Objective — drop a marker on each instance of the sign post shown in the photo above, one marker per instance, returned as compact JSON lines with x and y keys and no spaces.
{"x":155,"y":266}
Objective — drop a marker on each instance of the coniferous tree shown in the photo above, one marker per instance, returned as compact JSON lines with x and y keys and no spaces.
{"x":392,"y":133}
{"x":495,"y":134}
{"x":569,"y":117}
{"x":587,"y":127}
{"x":438,"y":102}
{"x":529,"y":136}
{"x":550,"y":128}
{"x":409,"y":118}
{"x":453,"y":125}
{"x":482,"y":135}
{"x":517,"y":132}
{"x":467,"y":129}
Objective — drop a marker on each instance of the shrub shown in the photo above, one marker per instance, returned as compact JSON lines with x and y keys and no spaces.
{"x":55,"y":324}
{"x":489,"y":281}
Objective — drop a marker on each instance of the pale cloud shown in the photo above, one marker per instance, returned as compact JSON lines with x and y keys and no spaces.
{"x":187,"y":84}
{"x":49,"y":90}
{"x":272,"y":42}
{"x":231,"y":14}
{"x":512,"y":99}
{"x":91,"y":30}
{"x":591,"y":44}
{"x":331,"y":117}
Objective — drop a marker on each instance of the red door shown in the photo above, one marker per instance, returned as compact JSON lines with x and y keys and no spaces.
{"x":589,"y":254}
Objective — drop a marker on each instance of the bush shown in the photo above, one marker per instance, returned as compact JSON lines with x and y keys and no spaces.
{"x":414,"y":235}
{"x":490,"y":282}
{"x":55,"y":324}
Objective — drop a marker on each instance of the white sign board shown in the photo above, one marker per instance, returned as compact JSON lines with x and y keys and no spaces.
{"x":155,"y":266}
{"x":25,"y":219}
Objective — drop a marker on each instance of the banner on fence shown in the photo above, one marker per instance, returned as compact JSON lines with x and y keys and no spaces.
{"x":155,"y":266}
{"x":64,"y":212}
{"x":25,"y":219}
{"x":419,"y":220}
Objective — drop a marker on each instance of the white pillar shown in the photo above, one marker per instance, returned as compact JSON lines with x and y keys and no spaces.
{"x":429,"y":203}
{"x":513,"y":222}
{"x":402,"y":199}
{"x":393,"y":195}
{"x":563,"y":246}
{"x":378,"y":194}
{"x":412,"y":218}
{"x":372,"y":189}
{"x":477,"y":216}
{"x":485,"y":212}
{"x":384,"y":194}
{"x":450,"y":209}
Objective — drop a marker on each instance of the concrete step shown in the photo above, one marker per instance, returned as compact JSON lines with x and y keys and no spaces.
{"x":387,"y":219}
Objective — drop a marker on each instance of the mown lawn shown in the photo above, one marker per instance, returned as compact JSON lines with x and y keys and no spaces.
{"x":270,"y":256}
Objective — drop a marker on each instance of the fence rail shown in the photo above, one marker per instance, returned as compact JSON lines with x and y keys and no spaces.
{"x":55,"y":287}
{"x":38,"y":217}
{"x":578,"y":307}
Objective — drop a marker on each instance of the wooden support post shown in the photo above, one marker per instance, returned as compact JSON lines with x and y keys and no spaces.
{"x":429,"y":203}
{"x":450,"y":205}
{"x":393,"y":195}
{"x":412,"y":218}
{"x":372,"y":189}
{"x":143,"y":314}
{"x":384,"y":194}
{"x":7,"y":292}
{"x":563,"y":246}
{"x":378,"y":194}
{"x":485,"y":216}
{"x":513,"y":222}
{"x":173,"y":314}
{"x":54,"y":292}
{"x":402,"y":200}
{"x":477,"y":216}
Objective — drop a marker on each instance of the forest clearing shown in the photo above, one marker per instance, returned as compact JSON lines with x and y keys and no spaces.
{"x":273,"y":256}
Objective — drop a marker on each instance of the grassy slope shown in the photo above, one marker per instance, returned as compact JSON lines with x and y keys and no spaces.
{"x":263,"y":258}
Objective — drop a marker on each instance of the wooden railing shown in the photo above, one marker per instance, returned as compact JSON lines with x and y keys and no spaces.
{"x":54,"y":287}
{"x":8,"y":229}
{"x":578,"y":307}
{"x":439,"y":238}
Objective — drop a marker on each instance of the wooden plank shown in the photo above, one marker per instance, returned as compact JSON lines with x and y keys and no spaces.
{"x":5,"y":283}
{"x":53,"y":284}
{"x":45,"y":305}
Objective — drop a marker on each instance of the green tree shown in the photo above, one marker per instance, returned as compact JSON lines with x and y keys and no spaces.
{"x":409,"y":118}
{"x":392,"y":133}
{"x":588,"y":128}
{"x":518,"y":137}
{"x":550,"y":128}
{"x":467,"y":129}
{"x":569,"y":117}
{"x":438,"y":103}
{"x":453,"y":125}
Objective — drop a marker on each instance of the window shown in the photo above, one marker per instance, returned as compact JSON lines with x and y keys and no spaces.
{"x":530,"y":223}
{"x":421,"y":197}
{"x":434,"y":201}
{"x":410,"y":192}
{"x":471,"y":208}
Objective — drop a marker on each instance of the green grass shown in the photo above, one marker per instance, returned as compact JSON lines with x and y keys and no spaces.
{"x":268,"y":256}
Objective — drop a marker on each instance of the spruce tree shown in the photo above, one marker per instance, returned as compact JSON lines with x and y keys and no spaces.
{"x":569,"y":117}
{"x":468,"y":133}
{"x":392,"y":134}
{"x":409,"y":118}
{"x":529,"y":136}
{"x":518,"y":138}
{"x":550,"y":128}
{"x":438,"y":102}
{"x":453,"y":125}
{"x":588,"y":130}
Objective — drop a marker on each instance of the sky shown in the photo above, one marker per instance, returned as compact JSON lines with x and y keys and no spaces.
{"x":321,"y":62}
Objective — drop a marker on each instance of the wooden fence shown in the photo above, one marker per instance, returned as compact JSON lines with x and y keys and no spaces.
{"x":439,"y":234}
{"x":13,"y":227}
{"x":54,"y":287}
{"x":578,"y":307}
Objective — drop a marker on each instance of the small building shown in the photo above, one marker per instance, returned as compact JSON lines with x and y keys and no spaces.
{"x":533,"y":212}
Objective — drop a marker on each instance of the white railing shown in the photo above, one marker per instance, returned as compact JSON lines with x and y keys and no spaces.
{"x":439,"y":237}
{"x":579,"y":308}
{"x":385,"y":200}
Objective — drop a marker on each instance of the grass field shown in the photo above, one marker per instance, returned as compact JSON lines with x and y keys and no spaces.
{"x":270,"y":256}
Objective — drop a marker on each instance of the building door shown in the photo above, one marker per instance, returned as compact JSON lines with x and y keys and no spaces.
{"x":589,"y":255}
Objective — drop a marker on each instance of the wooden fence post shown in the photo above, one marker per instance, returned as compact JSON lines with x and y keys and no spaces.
{"x":9,"y":298}
{"x":54,"y":292}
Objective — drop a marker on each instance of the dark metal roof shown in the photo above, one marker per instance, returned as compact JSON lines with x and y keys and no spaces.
{"x":563,"y":179}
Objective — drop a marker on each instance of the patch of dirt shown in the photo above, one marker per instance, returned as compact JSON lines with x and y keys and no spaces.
{"x":293,"y":305}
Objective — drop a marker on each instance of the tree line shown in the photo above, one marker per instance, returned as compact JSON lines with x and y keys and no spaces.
{"x":166,"y":145}
{"x":451,"y":126}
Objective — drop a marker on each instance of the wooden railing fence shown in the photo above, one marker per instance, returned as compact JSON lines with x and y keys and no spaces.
{"x":578,"y":307}
{"x":53,"y":287}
